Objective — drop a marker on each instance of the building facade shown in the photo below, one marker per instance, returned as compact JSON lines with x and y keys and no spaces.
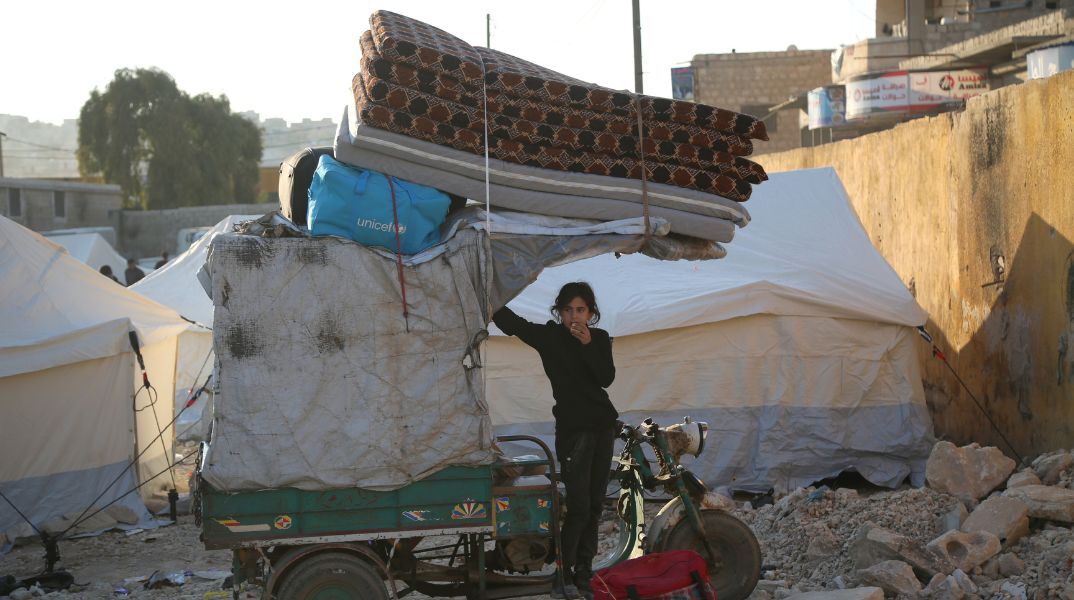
{"x":44,"y":205}
{"x":754,"y":82}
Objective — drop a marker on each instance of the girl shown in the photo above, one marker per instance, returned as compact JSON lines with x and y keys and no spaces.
{"x":577,"y":359}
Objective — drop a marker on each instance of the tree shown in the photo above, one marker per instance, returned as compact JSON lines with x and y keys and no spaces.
{"x":165,"y":148}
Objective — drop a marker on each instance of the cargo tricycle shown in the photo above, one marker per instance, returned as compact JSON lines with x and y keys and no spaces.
{"x":481,"y":532}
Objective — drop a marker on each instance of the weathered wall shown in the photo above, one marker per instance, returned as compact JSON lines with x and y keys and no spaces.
{"x":144,"y":233}
{"x":975,"y":211}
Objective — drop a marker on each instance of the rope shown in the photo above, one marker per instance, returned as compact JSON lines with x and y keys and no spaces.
{"x":644,"y":174}
{"x":24,"y":517}
{"x":399,"y":255}
{"x":936,"y":352}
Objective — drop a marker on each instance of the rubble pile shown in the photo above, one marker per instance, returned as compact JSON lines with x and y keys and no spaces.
{"x":980,"y":529}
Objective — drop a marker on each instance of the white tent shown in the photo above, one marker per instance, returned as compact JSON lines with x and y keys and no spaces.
{"x":71,"y":418}
{"x":176,"y":286}
{"x":92,"y":249}
{"x":798,"y":348}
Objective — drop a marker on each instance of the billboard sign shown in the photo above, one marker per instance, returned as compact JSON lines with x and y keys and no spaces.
{"x":1049,"y":61}
{"x":682,"y":83}
{"x":913,"y":91}
{"x":826,"y":106}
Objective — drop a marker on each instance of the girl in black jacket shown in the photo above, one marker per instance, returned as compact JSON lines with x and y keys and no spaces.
{"x":577,"y":359}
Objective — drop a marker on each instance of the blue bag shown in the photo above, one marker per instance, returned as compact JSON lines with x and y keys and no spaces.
{"x":355,"y":203}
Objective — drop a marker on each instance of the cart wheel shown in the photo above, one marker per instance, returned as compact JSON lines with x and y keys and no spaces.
{"x":735,"y":546}
{"x":332,"y":576}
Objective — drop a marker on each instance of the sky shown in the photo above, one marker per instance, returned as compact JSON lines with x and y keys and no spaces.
{"x":295,"y":60}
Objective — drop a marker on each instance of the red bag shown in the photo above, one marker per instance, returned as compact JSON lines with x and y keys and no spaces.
{"x":678,"y":574}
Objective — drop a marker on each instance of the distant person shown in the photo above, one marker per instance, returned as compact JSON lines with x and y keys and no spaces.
{"x":163,"y":260}
{"x":107,"y":272}
{"x":133,"y":274}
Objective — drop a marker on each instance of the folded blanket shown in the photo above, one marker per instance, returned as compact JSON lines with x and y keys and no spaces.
{"x":444,"y":86}
{"x":417,"y":103}
{"x":400,"y":39}
{"x":433,"y":128}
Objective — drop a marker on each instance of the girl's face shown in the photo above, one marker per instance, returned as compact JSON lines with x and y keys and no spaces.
{"x":576,"y":312}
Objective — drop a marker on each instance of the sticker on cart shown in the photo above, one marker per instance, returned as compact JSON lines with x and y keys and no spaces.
{"x":469,"y":510}
{"x":234,"y":526}
{"x":282,"y":522}
{"x":416,"y":515}
{"x":543,"y":527}
{"x":503,"y":504}
{"x":502,"y":526}
{"x":542,"y":503}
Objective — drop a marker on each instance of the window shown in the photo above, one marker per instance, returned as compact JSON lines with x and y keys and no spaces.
{"x":14,"y":203}
{"x":59,"y":205}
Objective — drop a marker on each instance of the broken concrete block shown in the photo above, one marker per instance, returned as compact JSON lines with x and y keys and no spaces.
{"x":943,"y":587}
{"x":1004,"y":517}
{"x":954,"y":518}
{"x":1015,"y":589}
{"x":872,"y":545}
{"x":893,"y":576}
{"x":1010,"y":565}
{"x":1046,"y":502}
{"x":963,"y":580}
{"x":1051,"y":466}
{"x":963,"y":550}
{"x":969,"y":473}
{"x":861,"y":593}
{"x":1023,"y":477}
{"x":822,"y":545}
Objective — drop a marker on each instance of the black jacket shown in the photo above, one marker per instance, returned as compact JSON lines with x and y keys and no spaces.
{"x":578,"y":373}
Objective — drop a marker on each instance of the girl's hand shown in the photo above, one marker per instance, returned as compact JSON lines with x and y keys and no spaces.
{"x":581,"y":331}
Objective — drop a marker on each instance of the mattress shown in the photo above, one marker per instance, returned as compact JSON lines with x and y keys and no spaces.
{"x":400,"y":39}
{"x":437,"y":123}
{"x":550,"y":132}
{"x":446,"y":87}
{"x":451,"y":171}
{"x":354,"y":132}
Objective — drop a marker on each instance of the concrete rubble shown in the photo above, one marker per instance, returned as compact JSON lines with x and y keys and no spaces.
{"x":978,"y":530}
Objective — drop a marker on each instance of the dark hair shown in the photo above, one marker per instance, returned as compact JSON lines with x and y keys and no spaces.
{"x":105,"y":270}
{"x":572,"y":290}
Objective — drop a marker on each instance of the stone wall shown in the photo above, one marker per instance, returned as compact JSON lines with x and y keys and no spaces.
{"x":146,"y":233}
{"x":753,"y":81}
{"x":975,"y":211}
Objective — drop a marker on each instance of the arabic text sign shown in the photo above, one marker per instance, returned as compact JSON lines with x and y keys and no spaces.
{"x":913,"y":91}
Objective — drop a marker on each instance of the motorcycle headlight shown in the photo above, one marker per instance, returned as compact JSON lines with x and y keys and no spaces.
{"x":687,"y":437}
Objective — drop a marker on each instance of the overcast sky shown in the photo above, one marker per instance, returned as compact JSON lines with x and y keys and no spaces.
{"x":295,"y":59}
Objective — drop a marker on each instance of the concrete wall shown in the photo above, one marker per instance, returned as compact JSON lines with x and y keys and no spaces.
{"x":752,"y":81}
{"x":86,"y":205}
{"x":146,"y":233}
{"x":975,"y":211}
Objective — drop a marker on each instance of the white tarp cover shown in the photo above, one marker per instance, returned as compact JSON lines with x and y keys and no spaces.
{"x":798,"y":348}
{"x":67,"y":377}
{"x":94,"y":250}
{"x":324,"y":384}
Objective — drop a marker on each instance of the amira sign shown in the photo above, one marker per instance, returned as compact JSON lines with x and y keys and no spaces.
{"x":912,"y":91}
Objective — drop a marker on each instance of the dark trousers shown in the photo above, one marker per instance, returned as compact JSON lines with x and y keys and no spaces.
{"x":585,"y":460}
